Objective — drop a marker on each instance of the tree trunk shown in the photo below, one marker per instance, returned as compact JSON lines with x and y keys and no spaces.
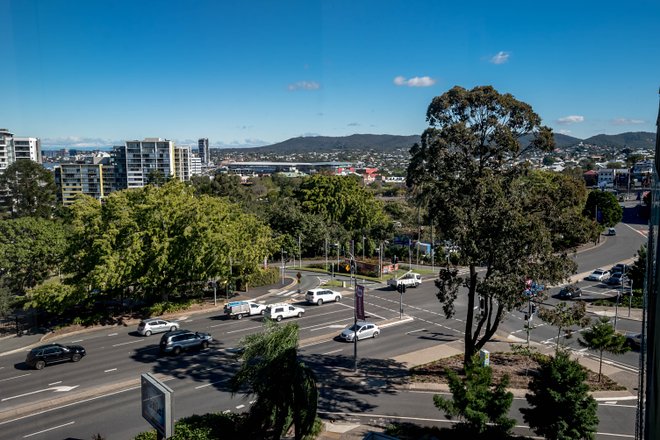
{"x":600,"y":365}
{"x":469,"y":320}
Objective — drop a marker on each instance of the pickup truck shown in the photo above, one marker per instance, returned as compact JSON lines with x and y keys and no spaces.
{"x":410,"y":279}
{"x":239,"y":309}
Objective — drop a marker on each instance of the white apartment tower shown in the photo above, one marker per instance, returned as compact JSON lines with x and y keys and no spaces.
{"x":136,"y":160}
{"x":182,"y":162}
{"x":17,"y":148}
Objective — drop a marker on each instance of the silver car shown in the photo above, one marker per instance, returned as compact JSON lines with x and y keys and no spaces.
{"x":156,"y":325}
{"x":364,"y":330}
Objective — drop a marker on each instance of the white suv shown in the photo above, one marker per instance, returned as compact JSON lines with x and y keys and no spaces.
{"x":281,"y":311}
{"x":319,"y":296}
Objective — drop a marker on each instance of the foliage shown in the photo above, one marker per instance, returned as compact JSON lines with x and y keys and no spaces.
{"x":289,"y":220}
{"x":55,"y":298}
{"x":477,"y":401}
{"x":469,"y":159}
{"x":561,"y":407}
{"x":161,"y":308}
{"x":6,"y":301}
{"x":30,"y":189}
{"x":637,"y":271}
{"x":609,"y":211}
{"x":30,"y":248}
{"x":264,"y":277}
{"x":284,"y":386}
{"x":564,"y":317}
{"x":212,"y":426}
{"x":155,"y":241}
{"x":603,"y":338}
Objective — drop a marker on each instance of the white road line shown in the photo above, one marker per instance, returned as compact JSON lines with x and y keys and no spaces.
{"x":243,"y":329}
{"x":49,"y":429}
{"x":227,"y":411}
{"x":111,"y":369}
{"x":189,"y":320}
{"x":113,"y":334}
{"x":215,"y":325}
{"x":54,"y":383}
{"x":125,"y":343}
{"x":333,"y":351}
{"x":77,"y":340}
{"x":415,"y":331}
{"x":15,"y":377}
{"x":240,"y":406}
{"x":209,"y":384}
{"x":333,"y":325}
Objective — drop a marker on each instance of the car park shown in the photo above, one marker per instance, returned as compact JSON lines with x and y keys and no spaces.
{"x":320,"y":296}
{"x":621,"y":268}
{"x":570,"y":292}
{"x":362,"y":329}
{"x":48,"y":354}
{"x":281,"y":311}
{"x":147,"y":327}
{"x":184,"y":340}
{"x":599,"y":275}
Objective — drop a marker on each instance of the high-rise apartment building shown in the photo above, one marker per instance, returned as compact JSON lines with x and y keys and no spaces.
{"x":94,"y":178}
{"x":17,"y":148}
{"x":203,"y":148}
{"x":195,"y":165}
{"x":182,"y":162}
{"x":136,"y":160}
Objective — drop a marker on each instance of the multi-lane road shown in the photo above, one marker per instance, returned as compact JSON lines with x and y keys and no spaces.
{"x":100,"y":394}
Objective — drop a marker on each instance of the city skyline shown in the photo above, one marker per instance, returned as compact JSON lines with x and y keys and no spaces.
{"x":247,"y":74}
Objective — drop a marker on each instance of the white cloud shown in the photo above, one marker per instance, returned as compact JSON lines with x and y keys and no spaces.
{"x":417,"y":81}
{"x":627,"y":121}
{"x":500,"y":58}
{"x":304,"y":85}
{"x":572,"y":119}
{"x":79,"y":142}
{"x":566,"y":132}
{"x":354,"y":124}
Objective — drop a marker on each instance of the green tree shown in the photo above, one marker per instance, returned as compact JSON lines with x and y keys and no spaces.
{"x":27,"y":189}
{"x":477,"y":401}
{"x":564,"y":317}
{"x":638,"y":269}
{"x":468,"y":170}
{"x":31,"y":248}
{"x":605,"y":204}
{"x":285,"y":388}
{"x":561,"y":407}
{"x":603,"y":338}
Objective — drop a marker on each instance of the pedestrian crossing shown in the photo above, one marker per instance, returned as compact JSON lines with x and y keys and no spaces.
{"x":287,"y":293}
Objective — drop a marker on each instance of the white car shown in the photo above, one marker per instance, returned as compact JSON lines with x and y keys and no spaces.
{"x":364,"y":330}
{"x":150,"y":326}
{"x":319,"y":296}
{"x":599,"y":275}
{"x":410,"y":279}
{"x":281,"y":311}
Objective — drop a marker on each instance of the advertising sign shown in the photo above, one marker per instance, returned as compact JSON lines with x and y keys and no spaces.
{"x":359,"y":302}
{"x":157,"y":404}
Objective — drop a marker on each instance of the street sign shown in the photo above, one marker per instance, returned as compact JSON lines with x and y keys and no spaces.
{"x":157,"y":404}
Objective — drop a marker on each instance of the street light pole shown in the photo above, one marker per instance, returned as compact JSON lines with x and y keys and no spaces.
{"x":282,"y":262}
{"x":630,"y":298}
{"x":326,"y":254}
{"x":363,"y":237}
{"x":299,"y":252}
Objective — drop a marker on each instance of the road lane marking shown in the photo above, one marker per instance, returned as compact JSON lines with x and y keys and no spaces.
{"x":125,"y":343}
{"x":113,"y":334}
{"x":49,"y":429}
{"x":54,"y":383}
{"x":209,"y":384}
{"x":244,"y":329}
{"x":240,"y":407}
{"x":333,"y":351}
{"x":54,"y":389}
{"x":111,"y":369}
{"x":15,"y":377}
{"x":77,"y":340}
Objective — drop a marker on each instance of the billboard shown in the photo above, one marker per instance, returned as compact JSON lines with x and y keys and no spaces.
{"x":157,"y":404}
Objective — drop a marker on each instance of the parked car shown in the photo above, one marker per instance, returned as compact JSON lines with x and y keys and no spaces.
{"x":599,"y":275}
{"x":615,"y":279}
{"x":570,"y":292}
{"x":183,"y":340}
{"x":410,"y":279}
{"x":281,"y":311}
{"x":621,"y":268}
{"x":239,"y":309}
{"x":364,"y":330}
{"x":48,"y":354}
{"x":319,"y":296}
{"x":150,"y":326}
{"x":611,"y":231}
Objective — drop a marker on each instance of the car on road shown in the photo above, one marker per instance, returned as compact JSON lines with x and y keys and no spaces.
{"x":184,"y":340}
{"x":621,"y":268}
{"x":410,"y":279}
{"x":599,"y":275}
{"x":147,"y":327}
{"x":48,"y":354}
{"x":320,"y":296}
{"x":611,"y":231}
{"x":281,"y":311}
{"x":239,"y":309}
{"x":570,"y":292}
{"x":634,"y":340}
{"x":615,"y":279}
{"x":363,"y":330}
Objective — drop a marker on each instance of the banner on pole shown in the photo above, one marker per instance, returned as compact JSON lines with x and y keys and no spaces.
{"x":359,"y":302}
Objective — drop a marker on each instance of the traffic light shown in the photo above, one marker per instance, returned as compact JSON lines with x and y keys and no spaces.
{"x":401,"y":288}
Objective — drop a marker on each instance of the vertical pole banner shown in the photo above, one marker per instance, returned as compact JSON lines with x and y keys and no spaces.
{"x":359,"y":302}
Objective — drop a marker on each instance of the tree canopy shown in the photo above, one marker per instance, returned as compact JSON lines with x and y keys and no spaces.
{"x":469,"y":171}
{"x":27,"y":189}
{"x":604,"y":208}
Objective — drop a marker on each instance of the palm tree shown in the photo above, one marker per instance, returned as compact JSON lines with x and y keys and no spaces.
{"x":603,"y":337}
{"x":285,"y":388}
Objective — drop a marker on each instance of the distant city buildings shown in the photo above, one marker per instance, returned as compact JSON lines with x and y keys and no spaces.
{"x":137,"y":161}
{"x":203,"y":150}
{"x":95,"y":177}
{"x":17,"y":148}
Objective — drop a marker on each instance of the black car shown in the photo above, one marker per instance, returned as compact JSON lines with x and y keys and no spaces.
{"x":48,"y":354}
{"x":182,"y":340}
{"x":570,"y":292}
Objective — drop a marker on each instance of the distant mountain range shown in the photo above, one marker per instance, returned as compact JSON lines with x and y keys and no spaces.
{"x":386,"y":142}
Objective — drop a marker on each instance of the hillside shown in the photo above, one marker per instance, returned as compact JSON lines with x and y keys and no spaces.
{"x":639,"y":139}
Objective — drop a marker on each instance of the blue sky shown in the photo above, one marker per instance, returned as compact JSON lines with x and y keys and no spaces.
{"x":246,"y":73}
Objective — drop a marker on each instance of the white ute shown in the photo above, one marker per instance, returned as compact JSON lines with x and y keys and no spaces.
{"x":409,"y":279}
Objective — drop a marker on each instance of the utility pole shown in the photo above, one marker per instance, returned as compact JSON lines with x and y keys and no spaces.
{"x":282,"y":261}
{"x":363,"y":237}
{"x":299,"y":252}
{"x":326,"y":254}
